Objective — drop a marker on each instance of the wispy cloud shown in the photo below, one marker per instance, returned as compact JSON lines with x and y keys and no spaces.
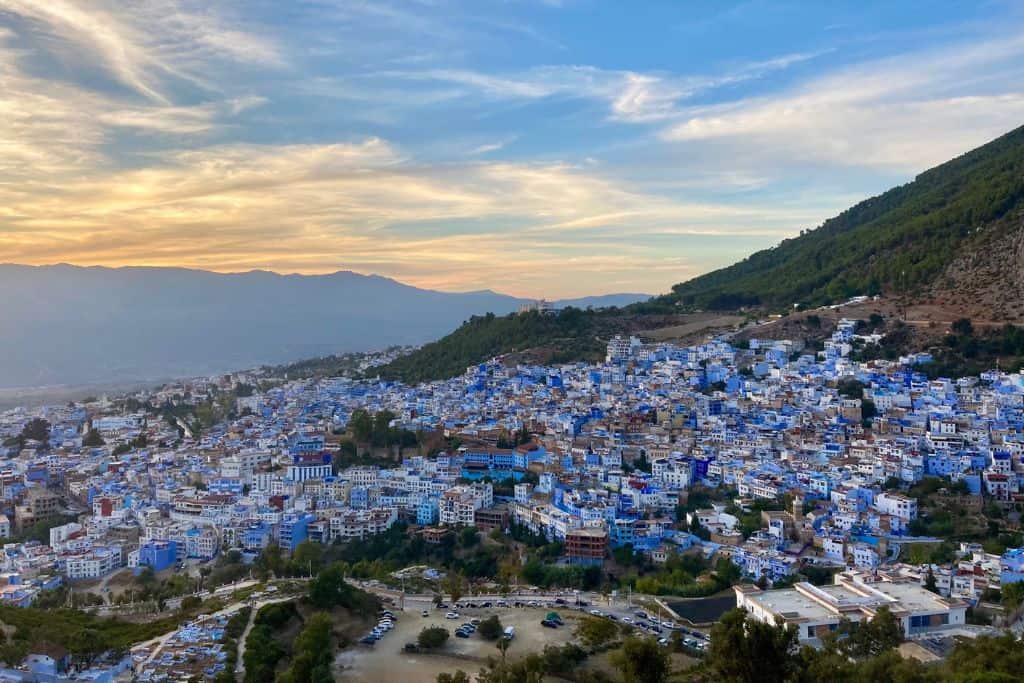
{"x":905,"y":113}
{"x":632,"y":96}
{"x":121,"y":40}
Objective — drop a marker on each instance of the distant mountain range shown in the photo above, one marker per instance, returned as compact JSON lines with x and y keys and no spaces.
{"x":70,"y":325}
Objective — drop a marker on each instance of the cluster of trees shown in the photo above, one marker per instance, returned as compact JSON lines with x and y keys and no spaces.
{"x":965,"y":351}
{"x":311,"y":653}
{"x":335,"y":365}
{"x":36,"y":429}
{"x":376,"y":430}
{"x":263,"y":649}
{"x":679,"y":577}
{"x":896,"y":241}
{"x":148,"y":586}
{"x":85,"y":636}
{"x":545,"y":575}
{"x":638,"y":660}
{"x":329,"y":590}
{"x":951,"y":519}
{"x":744,"y":650}
{"x":516,"y":438}
{"x":40,"y":531}
{"x":271,"y":655}
{"x":92,"y":439}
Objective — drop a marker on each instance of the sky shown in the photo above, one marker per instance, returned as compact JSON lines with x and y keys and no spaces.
{"x":538,"y":148}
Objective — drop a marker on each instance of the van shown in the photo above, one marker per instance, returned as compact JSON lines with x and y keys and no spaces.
{"x":510,"y":632}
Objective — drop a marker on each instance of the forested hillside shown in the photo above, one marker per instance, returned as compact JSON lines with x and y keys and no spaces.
{"x":571,"y":330}
{"x":898,"y":241}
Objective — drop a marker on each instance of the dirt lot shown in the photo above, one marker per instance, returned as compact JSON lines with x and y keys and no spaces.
{"x":386,"y":660}
{"x":696,"y":325}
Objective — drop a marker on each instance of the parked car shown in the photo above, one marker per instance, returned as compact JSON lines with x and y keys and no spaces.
{"x":451,"y":615}
{"x":425,"y":613}
{"x":461,"y":634}
{"x":547,"y":623}
{"x":411,"y":647}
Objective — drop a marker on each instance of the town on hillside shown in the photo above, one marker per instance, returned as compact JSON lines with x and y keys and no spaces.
{"x":661,"y":487}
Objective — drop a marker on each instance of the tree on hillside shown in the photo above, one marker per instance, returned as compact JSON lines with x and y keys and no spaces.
{"x":744,"y":650}
{"x":311,"y":653}
{"x":92,"y":439}
{"x":874,"y":636}
{"x":595,"y":631}
{"x":963,"y":327}
{"x":642,"y":660}
{"x":454,"y":584}
{"x":36,"y":429}
{"x":329,"y":588}
{"x":361,"y":425}
{"x":459,"y":676}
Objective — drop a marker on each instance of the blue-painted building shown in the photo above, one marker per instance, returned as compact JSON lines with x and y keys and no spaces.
{"x":293,"y":530}
{"x":1011,"y":566}
{"x":158,"y":554}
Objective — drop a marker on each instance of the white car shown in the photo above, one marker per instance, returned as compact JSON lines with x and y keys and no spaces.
{"x":596,"y":612}
{"x":627,"y":620}
{"x":452,"y":615}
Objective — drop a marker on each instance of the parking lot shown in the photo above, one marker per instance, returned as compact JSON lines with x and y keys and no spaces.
{"x":386,"y":659}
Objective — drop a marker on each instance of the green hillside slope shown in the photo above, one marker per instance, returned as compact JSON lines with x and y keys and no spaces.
{"x":571,"y":331}
{"x":895,"y":242}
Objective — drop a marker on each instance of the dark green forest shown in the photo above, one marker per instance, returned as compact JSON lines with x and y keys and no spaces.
{"x":572,"y":333}
{"x":894,"y":243}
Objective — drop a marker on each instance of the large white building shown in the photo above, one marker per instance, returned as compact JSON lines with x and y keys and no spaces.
{"x":897,"y":505}
{"x":816,"y":610}
{"x":94,"y":564}
{"x":459,"y":504}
